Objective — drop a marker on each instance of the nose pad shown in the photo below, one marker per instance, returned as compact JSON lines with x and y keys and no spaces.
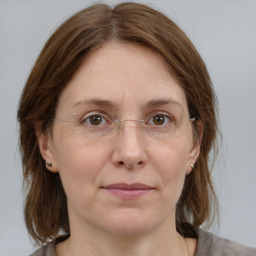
{"x":120,"y":123}
{"x":129,"y":151}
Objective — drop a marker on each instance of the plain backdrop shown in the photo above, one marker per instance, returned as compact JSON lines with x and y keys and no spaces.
{"x":224,"y":32}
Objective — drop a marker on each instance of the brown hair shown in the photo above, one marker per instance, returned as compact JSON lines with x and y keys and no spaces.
{"x":45,"y":206}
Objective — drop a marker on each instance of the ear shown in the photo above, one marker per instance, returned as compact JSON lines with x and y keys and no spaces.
{"x":46,"y":147}
{"x":195,"y":150}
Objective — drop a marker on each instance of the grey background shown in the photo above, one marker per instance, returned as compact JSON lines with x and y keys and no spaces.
{"x":224,"y":32}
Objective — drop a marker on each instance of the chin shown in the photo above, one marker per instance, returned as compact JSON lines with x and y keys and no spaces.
{"x":132,"y":222}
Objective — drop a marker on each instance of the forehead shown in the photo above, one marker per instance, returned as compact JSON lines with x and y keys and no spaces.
{"x":123,"y":73}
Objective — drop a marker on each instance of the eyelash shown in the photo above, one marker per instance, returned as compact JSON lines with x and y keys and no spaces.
{"x":167,"y":118}
{"x":91,"y":114}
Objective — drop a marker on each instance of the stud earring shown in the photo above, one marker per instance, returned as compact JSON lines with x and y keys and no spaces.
{"x":192,"y":166}
{"x":49,"y":164}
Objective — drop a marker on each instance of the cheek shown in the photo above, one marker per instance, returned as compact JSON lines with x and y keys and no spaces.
{"x":80,"y":170}
{"x":78,"y":163}
{"x":172,"y":160}
{"x":173,"y":154}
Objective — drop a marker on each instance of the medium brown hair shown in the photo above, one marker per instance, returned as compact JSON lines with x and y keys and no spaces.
{"x":46,"y":203}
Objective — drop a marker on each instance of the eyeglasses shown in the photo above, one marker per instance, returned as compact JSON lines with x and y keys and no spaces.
{"x":156,"y":125}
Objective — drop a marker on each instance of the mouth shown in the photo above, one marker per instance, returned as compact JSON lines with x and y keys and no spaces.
{"x":128,"y":191}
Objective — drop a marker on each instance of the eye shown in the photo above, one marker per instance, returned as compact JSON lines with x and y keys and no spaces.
{"x":160,"y":120}
{"x":95,"y":120}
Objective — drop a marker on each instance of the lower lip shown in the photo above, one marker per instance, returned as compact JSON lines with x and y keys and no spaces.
{"x":129,"y":194}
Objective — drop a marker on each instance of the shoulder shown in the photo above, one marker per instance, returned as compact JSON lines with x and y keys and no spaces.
{"x":211,"y":245}
{"x":49,"y":249}
{"x":46,"y":250}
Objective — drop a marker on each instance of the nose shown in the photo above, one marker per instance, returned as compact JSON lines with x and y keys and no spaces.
{"x":129,"y":150}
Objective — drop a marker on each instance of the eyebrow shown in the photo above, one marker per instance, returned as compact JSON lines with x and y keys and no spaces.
{"x":96,"y":102}
{"x":109,"y":104}
{"x":161,"y":102}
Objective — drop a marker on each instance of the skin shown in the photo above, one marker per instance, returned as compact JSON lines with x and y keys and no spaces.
{"x":101,"y":223}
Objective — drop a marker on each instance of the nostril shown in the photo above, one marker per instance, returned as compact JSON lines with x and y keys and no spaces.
{"x":121,"y":163}
{"x":131,"y":165}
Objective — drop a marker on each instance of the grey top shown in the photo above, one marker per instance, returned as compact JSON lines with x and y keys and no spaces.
{"x":208,"y":245}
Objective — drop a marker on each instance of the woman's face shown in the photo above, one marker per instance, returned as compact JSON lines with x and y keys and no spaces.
{"x":124,"y":180}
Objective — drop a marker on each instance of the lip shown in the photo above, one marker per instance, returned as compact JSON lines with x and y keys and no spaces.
{"x":128,"y":191}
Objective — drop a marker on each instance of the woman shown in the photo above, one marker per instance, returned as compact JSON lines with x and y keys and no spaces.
{"x":117,"y":120}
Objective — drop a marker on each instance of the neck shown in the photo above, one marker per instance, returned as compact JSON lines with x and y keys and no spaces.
{"x":162,"y":241}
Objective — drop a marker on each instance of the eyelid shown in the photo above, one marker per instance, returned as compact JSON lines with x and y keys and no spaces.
{"x":169,"y":120}
{"x":155,"y":113}
{"x":95,"y":112}
{"x":109,"y":119}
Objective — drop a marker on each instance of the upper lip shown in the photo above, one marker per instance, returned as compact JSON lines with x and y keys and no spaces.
{"x":124,"y":186}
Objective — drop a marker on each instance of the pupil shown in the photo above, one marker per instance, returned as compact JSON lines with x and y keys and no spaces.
{"x":95,"y":120}
{"x":158,"y":120}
